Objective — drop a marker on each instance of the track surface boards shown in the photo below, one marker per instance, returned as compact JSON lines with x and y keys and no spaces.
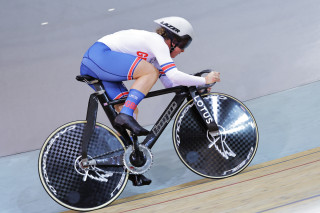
{"x":289,"y":184}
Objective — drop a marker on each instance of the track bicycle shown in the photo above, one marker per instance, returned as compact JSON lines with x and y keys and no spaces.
{"x":84,"y":165}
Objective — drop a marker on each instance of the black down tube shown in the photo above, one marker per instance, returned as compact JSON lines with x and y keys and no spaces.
{"x":164,"y":120}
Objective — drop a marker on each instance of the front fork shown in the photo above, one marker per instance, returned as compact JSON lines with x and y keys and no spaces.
{"x":204,"y":111}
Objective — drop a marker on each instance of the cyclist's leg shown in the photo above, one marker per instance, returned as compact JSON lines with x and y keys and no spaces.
{"x":119,"y":107}
{"x":117,"y":90}
{"x":109,"y":66}
{"x":146,"y":75}
{"x":114,"y":67}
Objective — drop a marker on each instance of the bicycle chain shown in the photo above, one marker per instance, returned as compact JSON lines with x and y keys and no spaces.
{"x":108,"y":153}
{"x":111,"y":152}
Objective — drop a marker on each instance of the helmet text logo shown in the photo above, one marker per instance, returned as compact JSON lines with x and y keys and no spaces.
{"x":170,"y":26}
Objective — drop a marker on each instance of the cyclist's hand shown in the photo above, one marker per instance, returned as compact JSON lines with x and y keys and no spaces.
{"x":212,"y":77}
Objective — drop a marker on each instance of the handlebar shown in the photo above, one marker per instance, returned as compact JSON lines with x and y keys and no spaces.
{"x":200,"y":74}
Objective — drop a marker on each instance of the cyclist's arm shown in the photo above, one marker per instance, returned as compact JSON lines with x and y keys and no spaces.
{"x":165,"y":81}
{"x":180,"y":78}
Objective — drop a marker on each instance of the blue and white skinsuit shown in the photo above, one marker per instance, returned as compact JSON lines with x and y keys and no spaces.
{"x":114,"y":57}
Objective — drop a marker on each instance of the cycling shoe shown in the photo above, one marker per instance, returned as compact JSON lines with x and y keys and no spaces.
{"x":139,"y":180}
{"x":130,"y":123}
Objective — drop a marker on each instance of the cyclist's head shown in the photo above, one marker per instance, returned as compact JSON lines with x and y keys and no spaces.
{"x":177,"y":29}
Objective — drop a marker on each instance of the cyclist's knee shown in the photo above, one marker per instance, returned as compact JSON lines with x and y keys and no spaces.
{"x":154,"y":72}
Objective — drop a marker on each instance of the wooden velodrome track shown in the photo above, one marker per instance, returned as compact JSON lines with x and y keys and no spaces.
{"x":289,"y":184}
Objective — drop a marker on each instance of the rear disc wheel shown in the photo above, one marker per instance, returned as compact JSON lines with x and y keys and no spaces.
{"x":61,"y":173}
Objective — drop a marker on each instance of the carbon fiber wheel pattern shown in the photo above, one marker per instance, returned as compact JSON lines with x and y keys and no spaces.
{"x":221,"y":154}
{"x":62,"y":176}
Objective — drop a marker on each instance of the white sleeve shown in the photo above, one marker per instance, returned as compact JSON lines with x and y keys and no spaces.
{"x":165,"y":81}
{"x":180,"y":78}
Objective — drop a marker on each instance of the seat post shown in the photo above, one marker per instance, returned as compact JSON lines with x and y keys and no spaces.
{"x":105,"y":103}
{"x":90,"y":125}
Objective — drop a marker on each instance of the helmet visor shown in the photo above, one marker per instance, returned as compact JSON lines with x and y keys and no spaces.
{"x":184,"y":43}
{"x":180,"y":41}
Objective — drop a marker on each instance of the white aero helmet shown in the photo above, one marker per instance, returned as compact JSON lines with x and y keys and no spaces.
{"x":178,"y":29}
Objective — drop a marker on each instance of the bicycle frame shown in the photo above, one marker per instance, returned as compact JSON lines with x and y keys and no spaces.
{"x":167,"y":115}
{"x":182,"y":93}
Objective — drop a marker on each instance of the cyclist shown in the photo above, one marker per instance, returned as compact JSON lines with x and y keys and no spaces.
{"x":143,"y":56}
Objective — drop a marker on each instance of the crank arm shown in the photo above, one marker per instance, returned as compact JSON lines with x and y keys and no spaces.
{"x":111,"y":161}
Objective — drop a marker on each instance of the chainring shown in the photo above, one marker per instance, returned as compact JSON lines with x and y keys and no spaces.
{"x":134,"y":169}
